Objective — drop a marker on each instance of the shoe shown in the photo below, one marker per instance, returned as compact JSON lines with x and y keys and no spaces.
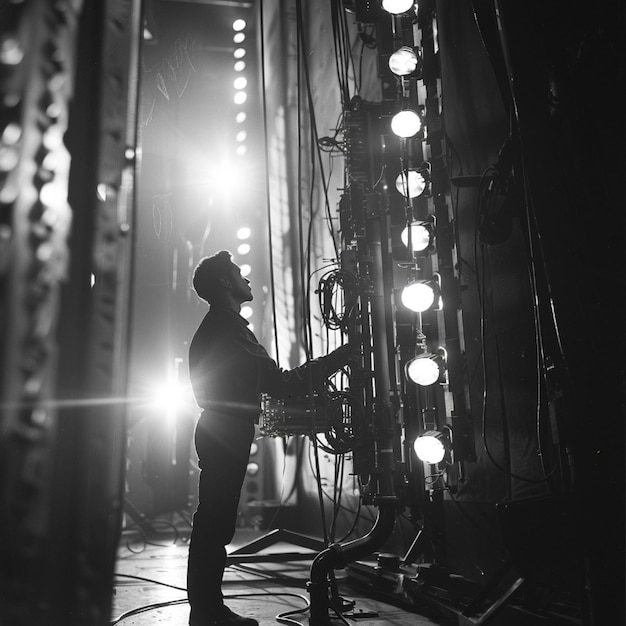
{"x":226,"y":617}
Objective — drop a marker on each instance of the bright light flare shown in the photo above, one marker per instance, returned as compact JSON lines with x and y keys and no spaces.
{"x":420,"y":236}
{"x":430,"y":448}
{"x":406,"y":123}
{"x":418,"y":296}
{"x":411,"y":182}
{"x":423,"y":370}
{"x":398,"y":7}
{"x":239,"y":25}
{"x":403,"y":61}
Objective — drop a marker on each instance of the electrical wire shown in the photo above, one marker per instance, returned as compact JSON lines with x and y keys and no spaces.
{"x":234,"y":596}
{"x":489,"y":186}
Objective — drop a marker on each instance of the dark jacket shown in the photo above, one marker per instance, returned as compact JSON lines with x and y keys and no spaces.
{"x":229,"y":369}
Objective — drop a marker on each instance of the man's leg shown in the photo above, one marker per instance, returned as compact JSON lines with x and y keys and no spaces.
{"x":223,"y":446}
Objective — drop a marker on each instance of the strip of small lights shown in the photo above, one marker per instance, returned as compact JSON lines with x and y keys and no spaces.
{"x":240,"y":83}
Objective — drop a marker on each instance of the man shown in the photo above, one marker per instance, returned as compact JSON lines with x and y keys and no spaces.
{"x":229,"y":369}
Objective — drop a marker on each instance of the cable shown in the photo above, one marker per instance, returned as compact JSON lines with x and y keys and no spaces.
{"x":267,"y":188}
{"x":234,"y":596}
{"x":488,"y":189}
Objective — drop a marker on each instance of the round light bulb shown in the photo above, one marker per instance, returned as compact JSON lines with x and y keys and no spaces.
{"x":418,"y":297}
{"x":403,"y":61}
{"x":420,"y":236}
{"x":429,"y":449}
{"x":423,"y":371}
{"x":406,"y":123}
{"x":239,"y":24}
{"x":244,"y":233}
{"x":411,"y":181}
{"x":397,"y":7}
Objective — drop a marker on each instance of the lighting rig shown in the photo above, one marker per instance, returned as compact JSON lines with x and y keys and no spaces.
{"x":404,"y":414}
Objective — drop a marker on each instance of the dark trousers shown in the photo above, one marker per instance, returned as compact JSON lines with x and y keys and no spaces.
{"x":223,"y":447}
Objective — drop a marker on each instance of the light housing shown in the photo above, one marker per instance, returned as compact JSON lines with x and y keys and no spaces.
{"x":398,"y":7}
{"x":433,"y":447}
{"x":421,"y":295}
{"x":415,"y":181}
{"x":419,"y":236}
{"x":425,"y":369}
{"x":406,"y":123}
{"x":405,"y":61}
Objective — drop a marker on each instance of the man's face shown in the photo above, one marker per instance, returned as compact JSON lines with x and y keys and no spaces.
{"x":240,"y":285}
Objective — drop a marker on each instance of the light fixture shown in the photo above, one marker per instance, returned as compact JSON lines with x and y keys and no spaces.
{"x":245,"y":269}
{"x":246,"y":311}
{"x":252,"y":469}
{"x":419,"y":236}
{"x":239,"y":66}
{"x":243,"y":249}
{"x":240,"y":82}
{"x":398,"y":7}
{"x":241,"y":136}
{"x":432,"y":447}
{"x":238,"y":38}
{"x":239,"y":53}
{"x":425,"y":369}
{"x":239,"y":24}
{"x":240,"y":118}
{"x":404,"y":61}
{"x":241,"y":150}
{"x":244,"y":233}
{"x":406,"y":123}
{"x":421,"y":295}
{"x":240,"y":97}
{"x":410,"y":183}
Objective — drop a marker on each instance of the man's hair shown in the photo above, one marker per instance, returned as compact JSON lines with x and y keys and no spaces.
{"x":206,"y":276}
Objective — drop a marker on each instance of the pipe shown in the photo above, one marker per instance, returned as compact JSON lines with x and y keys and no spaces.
{"x":337,"y":556}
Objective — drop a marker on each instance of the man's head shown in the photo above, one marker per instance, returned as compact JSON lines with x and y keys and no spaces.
{"x":217,"y":279}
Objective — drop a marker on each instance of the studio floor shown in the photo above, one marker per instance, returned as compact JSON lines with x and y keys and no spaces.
{"x":150,"y":585}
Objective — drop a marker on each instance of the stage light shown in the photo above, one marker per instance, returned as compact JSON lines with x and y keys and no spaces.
{"x":422,"y":236}
{"x":240,"y":83}
{"x":239,"y":38}
{"x":406,"y":123}
{"x":398,"y":7}
{"x":421,"y":295}
{"x":241,"y":150}
{"x":240,"y":118}
{"x":425,"y":369}
{"x":239,"y":24}
{"x":239,"y":66}
{"x":404,"y":61}
{"x":431,"y":447}
{"x":241,"y":136}
{"x":246,"y":311}
{"x":240,"y":97}
{"x":243,"y":249}
{"x":245,"y":269}
{"x":244,"y":233}
{"x":169,"y":397}
{"x":411,"y":182}
{"x":239,"y":53}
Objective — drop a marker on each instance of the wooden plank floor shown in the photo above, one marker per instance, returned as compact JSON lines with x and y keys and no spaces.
{"x":153,"y":573}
